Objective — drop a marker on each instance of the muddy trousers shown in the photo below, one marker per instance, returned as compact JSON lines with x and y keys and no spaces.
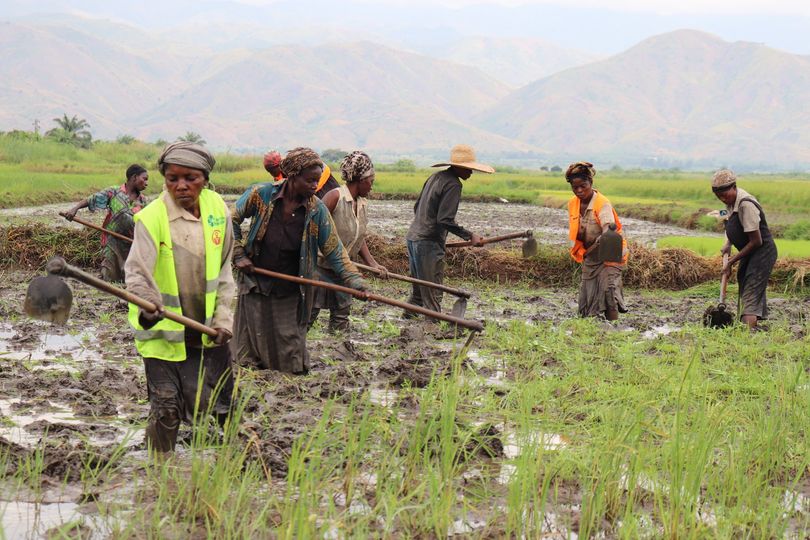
{"x":173,"y":389}
{"x":426,"y":262}
{"x":269,"y":333}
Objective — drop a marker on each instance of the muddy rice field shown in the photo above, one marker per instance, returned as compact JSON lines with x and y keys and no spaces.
{"x":534,"y":392}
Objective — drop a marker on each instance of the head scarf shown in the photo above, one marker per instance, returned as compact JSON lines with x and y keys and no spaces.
{"x":272,"y":159}
{"x":299,"y":159}
{"x":356,"y":166}
{"x":186,"y":154}
{"x":580,"y":169}
{"x":723,"y":178}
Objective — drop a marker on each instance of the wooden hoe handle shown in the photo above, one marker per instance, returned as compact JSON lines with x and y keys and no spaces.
{"x":472,"y":325}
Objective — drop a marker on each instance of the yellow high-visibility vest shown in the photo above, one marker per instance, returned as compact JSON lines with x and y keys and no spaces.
{"x":166,"y":339}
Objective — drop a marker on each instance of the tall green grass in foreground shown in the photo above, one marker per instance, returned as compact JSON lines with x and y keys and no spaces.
{"x":710,"y":246}
{"x":697,"y":434}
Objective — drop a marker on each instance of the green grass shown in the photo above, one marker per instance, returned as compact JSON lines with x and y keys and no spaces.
{"x":697,"y":434}
{"x":36,"y":172}
{"x":710,"y":246}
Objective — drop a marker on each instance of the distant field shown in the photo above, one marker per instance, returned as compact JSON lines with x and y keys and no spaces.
{"x":37,"y":172}
{"x":710,"y":246}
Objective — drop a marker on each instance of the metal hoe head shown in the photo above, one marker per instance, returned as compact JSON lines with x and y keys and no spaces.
{"x":529,"y":247}
{"x":48,"y":299}
{"x":717,"y":317}
{"x":610,"y":245}
{"x":459,"y":307}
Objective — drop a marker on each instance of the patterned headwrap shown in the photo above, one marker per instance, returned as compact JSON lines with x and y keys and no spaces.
{"x":186,"y":154}
{"x":299,"y":159}
{"x":272,"y":159}
{"x":356,"y":166}
{"x":580,"y":169}
{"x":723,"y":179}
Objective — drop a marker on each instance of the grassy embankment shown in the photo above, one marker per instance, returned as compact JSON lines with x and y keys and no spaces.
{"x":697,"y":434}
{"x":710,"y":246}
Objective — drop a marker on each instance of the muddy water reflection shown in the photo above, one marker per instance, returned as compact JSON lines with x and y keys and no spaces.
{"x":48,"y":345}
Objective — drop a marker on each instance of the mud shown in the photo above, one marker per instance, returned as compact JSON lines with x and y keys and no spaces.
{"x":391,"y":218}
{"x":74,"y":395}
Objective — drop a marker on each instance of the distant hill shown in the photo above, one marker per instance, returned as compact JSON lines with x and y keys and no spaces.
{"x":684,"y":97}
{"x":349,"y":95}
{"x":515,"y":61}
{"x":49,"y":70}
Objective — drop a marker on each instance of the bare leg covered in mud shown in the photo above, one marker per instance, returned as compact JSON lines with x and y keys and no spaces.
{"x":173,"y":389}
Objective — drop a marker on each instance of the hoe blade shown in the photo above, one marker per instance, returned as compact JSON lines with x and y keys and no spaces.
{"x":529,"y":247}
{"x":48,"y":299}
{"x":459,"y":308}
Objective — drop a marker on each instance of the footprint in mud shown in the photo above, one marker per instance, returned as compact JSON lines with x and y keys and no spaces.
{"x":414,"y":372}
{"x":97,"y":431}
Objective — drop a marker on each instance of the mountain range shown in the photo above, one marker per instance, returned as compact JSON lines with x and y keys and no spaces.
{"x":682,"y":98}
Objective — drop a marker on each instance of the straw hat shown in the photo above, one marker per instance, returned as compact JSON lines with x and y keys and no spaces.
{"x":464,"y":156}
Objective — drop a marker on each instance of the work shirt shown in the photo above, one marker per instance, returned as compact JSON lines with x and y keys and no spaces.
{"x":189,"y":265}
{"x":435,"y":209}
{"x":281,"y":248}
{"x":748,"y":212}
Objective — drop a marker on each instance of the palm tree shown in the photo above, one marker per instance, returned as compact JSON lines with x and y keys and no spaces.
{"x":192,"y":136}
{"x":72,"y":130}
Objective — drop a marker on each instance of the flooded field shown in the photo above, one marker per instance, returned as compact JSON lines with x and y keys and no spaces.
{"x":398,"y":432}
{"x":391,"y":218}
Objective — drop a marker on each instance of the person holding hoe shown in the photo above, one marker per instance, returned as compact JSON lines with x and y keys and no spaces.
{"x":181,"y":261}
{"x":590,"y":215}
{"x":289,"y":226}
{"x":121,"y":203}
{"x":747,"y":230}
{"x":435,"y":216}
{"x":347,"y":204}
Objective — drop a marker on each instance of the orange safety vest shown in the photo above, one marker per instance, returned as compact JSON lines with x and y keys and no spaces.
{"x":578,"y":249}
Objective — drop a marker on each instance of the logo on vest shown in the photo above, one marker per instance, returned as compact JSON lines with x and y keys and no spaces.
{"x":216,"y":237}
{"x":215,"y":221}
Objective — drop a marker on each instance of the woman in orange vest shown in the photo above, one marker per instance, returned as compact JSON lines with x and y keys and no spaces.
{"x":590,"y":214}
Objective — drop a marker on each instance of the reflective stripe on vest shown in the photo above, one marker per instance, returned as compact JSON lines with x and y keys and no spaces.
{"x":578,"y":248}
{"x":166,"y":339}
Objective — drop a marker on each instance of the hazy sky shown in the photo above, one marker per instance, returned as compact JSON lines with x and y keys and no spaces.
{"x":596,"y":26}
{"x":734,"y":7}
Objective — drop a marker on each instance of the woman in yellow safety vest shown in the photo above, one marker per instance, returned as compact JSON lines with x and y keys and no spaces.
{"x":590,"y":214}
{"x":181,"y":261}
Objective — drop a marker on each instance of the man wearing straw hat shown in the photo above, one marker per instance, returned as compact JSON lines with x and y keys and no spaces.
{"x":435,"y":216}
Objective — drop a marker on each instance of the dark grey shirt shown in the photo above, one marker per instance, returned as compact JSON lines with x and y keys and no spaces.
{"x":435,"y":209}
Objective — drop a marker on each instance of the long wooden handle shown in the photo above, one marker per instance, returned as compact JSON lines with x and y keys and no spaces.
{"x":723,"y":280}
{"x":58,"y":266}
{"x":472,"y":325}
{"x":96,"y":227}
{"x":493,"y":239}
{"x":452,"y":290}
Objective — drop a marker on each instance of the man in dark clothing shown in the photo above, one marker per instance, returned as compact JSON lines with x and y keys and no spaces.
{"x":435,"y":216}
